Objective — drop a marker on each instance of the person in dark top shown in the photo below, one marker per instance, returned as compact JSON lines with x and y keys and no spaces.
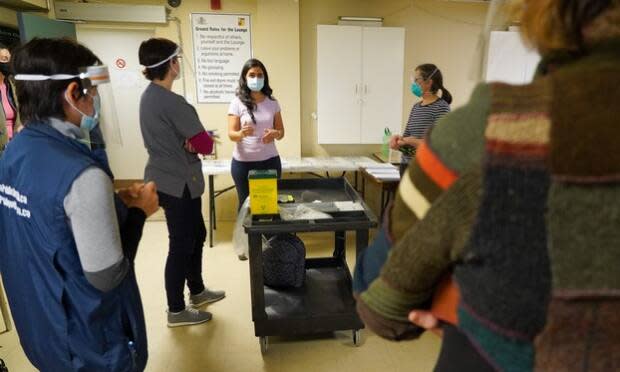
{"x":173,"y":135}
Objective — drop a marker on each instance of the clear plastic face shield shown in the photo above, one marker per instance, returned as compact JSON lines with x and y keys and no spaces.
{"x":496,"y":18}
{"x":185,"y":70}
{"x":416,"y":77}
{"x":104,"y":128}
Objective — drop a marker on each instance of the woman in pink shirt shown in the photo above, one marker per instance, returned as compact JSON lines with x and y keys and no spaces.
{"x":8,"y":109}
{"x":254,"y":123}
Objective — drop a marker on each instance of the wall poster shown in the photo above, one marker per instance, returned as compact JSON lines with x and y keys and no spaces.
{"x":222,"y":44}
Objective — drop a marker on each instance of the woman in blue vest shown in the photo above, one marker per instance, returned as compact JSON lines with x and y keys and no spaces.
{"x":65,"y":260}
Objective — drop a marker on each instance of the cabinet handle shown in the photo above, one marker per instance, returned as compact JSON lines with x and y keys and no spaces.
{"x":356,"y":89}
{"x":365,"y":89}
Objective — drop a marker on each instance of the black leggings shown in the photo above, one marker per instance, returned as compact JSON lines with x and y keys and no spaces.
{"x":240,"y":170}
{"x":187,"y":234}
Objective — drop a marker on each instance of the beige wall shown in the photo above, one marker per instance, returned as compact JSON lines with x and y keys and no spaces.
{"x":284,"y":37}
{"x":275,"y":23}
{"x":444,"y":33}
{"x":8,"y":17}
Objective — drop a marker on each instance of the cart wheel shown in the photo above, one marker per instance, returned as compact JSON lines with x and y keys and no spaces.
{"x":264,"y":343}
{"x":357,"y":337}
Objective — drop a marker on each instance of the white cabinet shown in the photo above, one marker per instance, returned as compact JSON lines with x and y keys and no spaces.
{"x":509,"y":59}
{"x":360,"y":83}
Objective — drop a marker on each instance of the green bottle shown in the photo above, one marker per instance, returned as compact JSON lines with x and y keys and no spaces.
{"x":385,"y":147}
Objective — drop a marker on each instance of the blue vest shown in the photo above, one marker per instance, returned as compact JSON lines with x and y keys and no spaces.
{"x":64,"y":323}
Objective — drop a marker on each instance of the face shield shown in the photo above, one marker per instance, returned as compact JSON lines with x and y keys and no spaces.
{"x":94,"y":82}
{"x":186,"y":71}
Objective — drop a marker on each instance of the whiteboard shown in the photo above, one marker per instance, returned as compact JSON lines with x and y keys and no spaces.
{"x":509,"y":59}
{"x":222,"y":45}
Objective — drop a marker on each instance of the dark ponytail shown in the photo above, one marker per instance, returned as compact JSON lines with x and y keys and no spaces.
{"x":430,"y":71}
{"x":446,"y":95}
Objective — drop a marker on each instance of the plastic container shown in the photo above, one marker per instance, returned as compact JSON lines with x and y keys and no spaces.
{"x":385,"y":147}
{"x":263,"y":192}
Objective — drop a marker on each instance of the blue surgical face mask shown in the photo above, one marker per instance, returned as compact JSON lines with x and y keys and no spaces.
{"x":88,"y":122}
{"x":256,"y":84}
{"x":416,"y":89}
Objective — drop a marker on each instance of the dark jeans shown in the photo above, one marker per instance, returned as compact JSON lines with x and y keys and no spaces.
{"x":458,"y":354}
{"x":240,"y":170}
{"x":187,"y":234}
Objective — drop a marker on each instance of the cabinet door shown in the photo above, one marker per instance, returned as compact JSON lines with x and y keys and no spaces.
{"x":383,"y":55}
{"x":339,"y":83}
{"x":509,"y":60}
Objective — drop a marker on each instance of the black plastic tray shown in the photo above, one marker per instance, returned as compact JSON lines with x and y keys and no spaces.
{"x":326,"y":291}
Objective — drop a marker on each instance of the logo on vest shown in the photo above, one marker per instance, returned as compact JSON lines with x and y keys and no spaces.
{"x":13,"y":199}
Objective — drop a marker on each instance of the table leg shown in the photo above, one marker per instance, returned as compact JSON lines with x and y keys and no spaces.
{"x":211,"y":210}
{"x":214,"y":196}
{"x":363,"y":187}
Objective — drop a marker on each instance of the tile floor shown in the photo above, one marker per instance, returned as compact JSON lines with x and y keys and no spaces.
{"x":227,"y":343}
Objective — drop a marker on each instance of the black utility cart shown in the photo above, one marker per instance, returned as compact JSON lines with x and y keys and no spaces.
{"x":325,"y":303}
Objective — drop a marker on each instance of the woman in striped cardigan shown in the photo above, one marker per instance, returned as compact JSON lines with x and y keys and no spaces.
{"x":518,"y":194}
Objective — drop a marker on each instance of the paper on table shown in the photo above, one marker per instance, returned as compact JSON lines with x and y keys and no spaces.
{"x":346,"y":206}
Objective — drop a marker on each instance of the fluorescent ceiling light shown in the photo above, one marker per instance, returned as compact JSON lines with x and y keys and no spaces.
{"x":361,"y":19}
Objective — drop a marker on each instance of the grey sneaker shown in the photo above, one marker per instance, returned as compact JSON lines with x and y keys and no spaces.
{"x":189,"y":316}
{"x":206,"y":297}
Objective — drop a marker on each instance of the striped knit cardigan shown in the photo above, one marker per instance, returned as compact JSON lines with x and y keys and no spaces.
{"x":518,"y":192}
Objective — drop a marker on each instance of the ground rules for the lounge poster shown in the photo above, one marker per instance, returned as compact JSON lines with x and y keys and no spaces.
{"x":222,"y":44}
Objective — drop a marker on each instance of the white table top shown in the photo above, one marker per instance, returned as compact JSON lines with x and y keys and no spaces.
{"x":300,"y":165}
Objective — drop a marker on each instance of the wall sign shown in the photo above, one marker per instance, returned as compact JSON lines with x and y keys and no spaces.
{"x":120,"y":63}
{"x":222,"y":44}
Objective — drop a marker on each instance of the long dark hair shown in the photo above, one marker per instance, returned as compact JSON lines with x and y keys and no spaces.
{"x":39,"y":100}
{"x":429,"y":70}
{"x":245,"y":94}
